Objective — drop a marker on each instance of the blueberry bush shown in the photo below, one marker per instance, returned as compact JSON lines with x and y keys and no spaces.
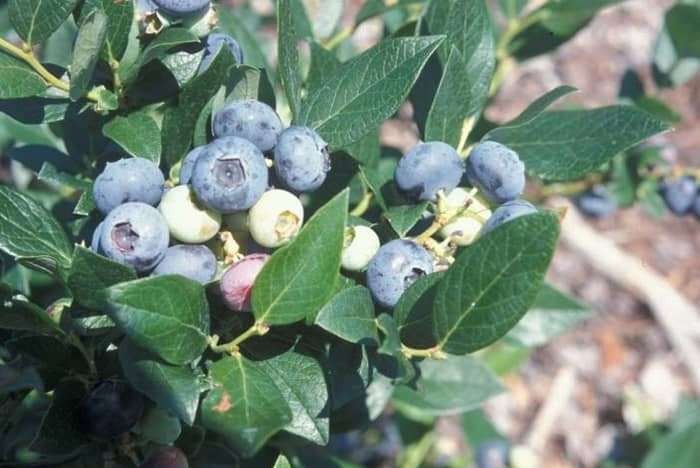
{"x":211,"y":261}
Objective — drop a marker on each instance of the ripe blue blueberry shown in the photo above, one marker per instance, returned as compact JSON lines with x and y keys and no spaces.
{"x":251,"y":120}
{"x":230,"y":175}
{"x":214,"y":43}
{"x":109,"y":410}
{"x":427,"y":169}
{"x":508,"y":212}
{"x":395,"y":267}
{"x":182,"y":8}
{"x":596,"y":202}
{"x":679,"y":194}
{"x":301,"y":159}
{"x":195,"y":262}
{"x":497,"y":171}
{"x":492,"y":454}
{"x":128,"y":180}
{"x":135,"y":234}
{"x":187,"y":165}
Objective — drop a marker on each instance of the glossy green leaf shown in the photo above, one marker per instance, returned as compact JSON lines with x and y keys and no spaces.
{"x":138,"y":134}
{"x":404,"y":217}
{"x":677,"y":55}
{"x":86,"y":52}
{"x":17,"y":79}
{"x":282,"y":462}
{"x":493,"y":283}
{"x":174,"y":388}
{"x":540,"y":105}
{"x":167,"y":40}
{"x":364,"y":91}
{"x":323,"y":64}
{"x":166,"y":315}
{"x":301,"y":382}
{"x":372,"y":8}
{"x":288,"y":67}
{"x":567,"y":145}
{"x":18,"y":313}
{"x":29,"y":231}
{"x":294,"y":282}
{"x":350,"y":315}
{"x":414,"y":312}
{"x":552,"y":314}
{"x":36,"y":20}
{"x":230,"y":22}
{"x":59,"y":433}
{"x":91,"y":273}
{"x":120,"y":15}
{"x":680,"y":449}
{"x":451,"y":386}
{"x":244,"y":406}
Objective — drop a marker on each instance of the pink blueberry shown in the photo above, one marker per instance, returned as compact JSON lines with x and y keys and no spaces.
{"x":237,"y":282}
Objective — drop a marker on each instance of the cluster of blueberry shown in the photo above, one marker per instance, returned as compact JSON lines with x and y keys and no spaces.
{"x":682,"y":195}
{"x":432,"y":172}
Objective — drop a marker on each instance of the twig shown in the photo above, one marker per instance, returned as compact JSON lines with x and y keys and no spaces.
{"x":547,"y":417}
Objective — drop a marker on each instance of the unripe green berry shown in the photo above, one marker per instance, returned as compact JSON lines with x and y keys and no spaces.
{"x":188,"y":221}
{"x":361,"y":245}
{"x":464,"y":229}
{"x":276,"y":218}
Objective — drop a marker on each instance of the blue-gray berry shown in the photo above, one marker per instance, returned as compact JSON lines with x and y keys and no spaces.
{"x":427,"y":169}
{"x":196,"y":262}
{"x":182,"y":8}
{"x":508,"y":212}
{"x":135,"y":234}
{"x":301,"y":159}
{"x":679,"y":194}
{"x":128,"y":180}
{"x":596,"y":202}
{"x":492,"y":454}
{"x":252,"y":120}
{"x":230,"y":175}
{"x":215,"y":42}
{"x":395,"y":268}
{"x":188,"y":164}
{"x":497,"y":171}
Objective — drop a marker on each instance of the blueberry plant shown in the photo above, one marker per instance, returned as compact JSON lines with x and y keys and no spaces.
{"x":211,"y":261}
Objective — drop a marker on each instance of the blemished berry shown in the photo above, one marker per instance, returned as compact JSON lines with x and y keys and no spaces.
{"x":465,"y":228}
{"x":237,"y":283}
{"x":214,"y":43}
{"x":188,"y":164}
{"x":251,"y":120}
{"x":188,"y":221}
{"x":508,"y":212}
{"x":492,"y":454}
{"x":429,"y":168}
{"x":301,"y":159}
{"x":679,"y":194}
{"x":182,"y":8}
{"x":196,"y":262}
{"x":230,"y":175}
{"x":135,"y":234}
{"x":496,"y":171}
{"x":95,"y":242}
{"x":166,"y":457}
{"x":596,"y":202}
{"x":276,"y":218}
{"x":128,"y":180}
{"x":395,"y":267}
{"x":361,"y":245}
{"x":110,"y":409}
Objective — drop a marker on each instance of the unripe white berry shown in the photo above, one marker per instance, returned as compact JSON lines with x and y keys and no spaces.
{"x":276,"y":218}
{"x":457,"y":199}
{"x":464,"y":229}
{"x":187,"y":220}
{"x":361,"y":245}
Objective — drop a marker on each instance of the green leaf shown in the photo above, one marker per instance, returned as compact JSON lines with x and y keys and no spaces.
{"x":323,"y":64}
{"x":137,"y":133}
{"x":29,"y":231}
{"x":372,"y":8}
{"x":15,"y":380}
{"x":91,"y":38}
{"x":414,"y":312}
{"x":350,"y":315}
{"x":452,"y":103}
{"x":282,"y":462}
{"x":361,"y":93}
{"x":17,"y":79}
{"x":159,"y":426}
{"x":452,"y":386}
{"x":59,"y":434}
{"x":567,"y":145}
{"x":232,"y":23}
{"x":244,"y":406}
{"x":120,"y":15}
{"x":166,"y":315}
{"x":404,"y":217}
{"x":677,"y":55}
{"x":552,"y":314}
{"x":680,"y":449}
{"x":540,"y":105}
{"x":180,"y":120}
{"x":512,"y":8}
{"x":18,"y":313}
{"x":301,"y":382}
{"x":91,"y":273}
{"x":294,"y":282}
{"x":49,"y":174}
{"x":174,"y":388}
{"x":36,"y":20}
{"x":287,"y":46}
{"x":493,"y":283}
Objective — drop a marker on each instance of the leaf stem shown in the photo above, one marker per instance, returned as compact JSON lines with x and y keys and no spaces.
{"x":233,"y":347}
{"x":339,"y":37}
{"x":363,"y":205}
{"x":443,"y":217}
{"x":433,"y":353}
